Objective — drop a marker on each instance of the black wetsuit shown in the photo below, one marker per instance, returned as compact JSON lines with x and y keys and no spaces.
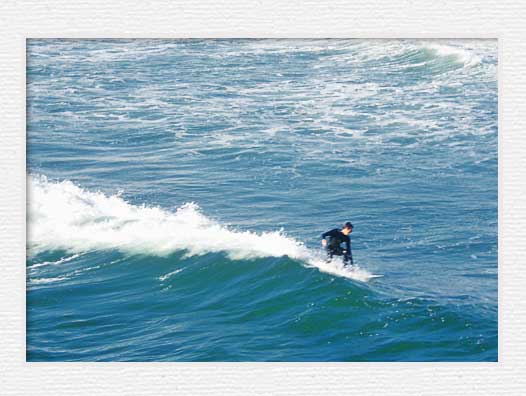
{"x":333,"y":246}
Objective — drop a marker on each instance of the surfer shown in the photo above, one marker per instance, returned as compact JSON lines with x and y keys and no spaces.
{"x":337,"y":237}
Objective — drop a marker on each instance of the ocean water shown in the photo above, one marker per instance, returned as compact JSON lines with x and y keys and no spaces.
{"x":177,"y":191}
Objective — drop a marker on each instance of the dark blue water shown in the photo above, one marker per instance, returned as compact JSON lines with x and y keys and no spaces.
{"x":177,"y":190}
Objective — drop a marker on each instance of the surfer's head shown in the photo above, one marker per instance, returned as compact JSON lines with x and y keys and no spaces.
{"x":347,"y":228}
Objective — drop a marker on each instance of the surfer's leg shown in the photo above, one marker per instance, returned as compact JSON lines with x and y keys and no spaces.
{"x":330,"y":253}
{"x":347,"y":260}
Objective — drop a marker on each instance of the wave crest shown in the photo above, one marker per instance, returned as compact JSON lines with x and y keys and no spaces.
{"x":64,"y":216}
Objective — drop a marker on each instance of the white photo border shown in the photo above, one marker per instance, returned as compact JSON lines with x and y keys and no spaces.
{"x":504,"y":20}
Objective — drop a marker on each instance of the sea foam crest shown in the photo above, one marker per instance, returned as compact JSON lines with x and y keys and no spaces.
{"x":468,"y":58}
{"x":63,"y":216}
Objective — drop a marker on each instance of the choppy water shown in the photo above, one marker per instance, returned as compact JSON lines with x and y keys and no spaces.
{"x":177,"y":190}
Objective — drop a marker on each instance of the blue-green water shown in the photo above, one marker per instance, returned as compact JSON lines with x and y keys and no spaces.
{"x":177,"y":190}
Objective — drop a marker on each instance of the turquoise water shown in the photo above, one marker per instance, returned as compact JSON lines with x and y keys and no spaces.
{"x":177,"y":191}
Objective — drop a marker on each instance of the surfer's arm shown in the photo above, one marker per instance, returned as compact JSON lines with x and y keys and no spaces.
{"x":348,"y":252}
{"x":324,"y":235}
{"x":328,"y":233}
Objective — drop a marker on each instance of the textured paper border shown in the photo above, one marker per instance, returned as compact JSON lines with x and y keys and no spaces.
{"x":272,"y":18}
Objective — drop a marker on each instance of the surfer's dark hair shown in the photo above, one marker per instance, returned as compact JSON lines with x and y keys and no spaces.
{"x":348,"y":225}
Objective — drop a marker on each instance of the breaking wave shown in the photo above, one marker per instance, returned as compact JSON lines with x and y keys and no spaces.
{"x":64,"y":216}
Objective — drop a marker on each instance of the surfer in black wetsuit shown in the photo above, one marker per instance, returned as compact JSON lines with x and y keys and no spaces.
{"x":337,"y":237}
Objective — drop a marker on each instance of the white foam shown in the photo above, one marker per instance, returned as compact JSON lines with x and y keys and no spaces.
{"x":336,"y":267}
{"x":62,"y":260}
{"x":170,"y":274}
{"x":40,"y":281}
{"x":63,"y":216}
{"x":468,"y":58}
